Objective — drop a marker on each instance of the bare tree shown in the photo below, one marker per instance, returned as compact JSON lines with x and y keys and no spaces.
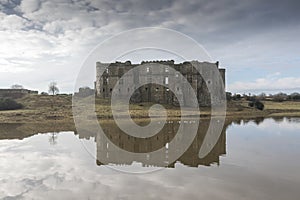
{"x":53,"y":89}
{"x":17,"y":86}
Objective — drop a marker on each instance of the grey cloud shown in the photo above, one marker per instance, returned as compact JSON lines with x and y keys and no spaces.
{"x":9,"y":6}
{"x":244,"y":17}
{"x":131,"y":6}
{"x":232,"y":17}
{"x":30,"y":5}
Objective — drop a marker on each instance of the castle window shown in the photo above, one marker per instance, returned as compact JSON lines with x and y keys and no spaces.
{"x":110,"y":89}
{"x":107,"y":80}
{"x":147,"y":69}
{"x":156,"y":89}
{"x":106,"y":70}
{"x":176,"y":75}
{"x":103,"y":89}
{"x":167,"y":69}
{"x":146,"y":89}
{"x":167,"y":89}
{"x":166,"y":80}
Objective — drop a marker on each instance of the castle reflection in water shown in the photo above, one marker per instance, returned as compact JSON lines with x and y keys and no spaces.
{"x":144,"y":145}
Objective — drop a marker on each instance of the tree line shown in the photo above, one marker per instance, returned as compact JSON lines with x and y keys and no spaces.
{"x":279,"y":97}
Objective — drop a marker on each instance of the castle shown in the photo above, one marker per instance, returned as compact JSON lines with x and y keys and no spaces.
{"x":159,"y":93}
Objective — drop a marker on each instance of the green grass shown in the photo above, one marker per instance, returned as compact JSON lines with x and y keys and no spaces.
{"x":286,"y":105}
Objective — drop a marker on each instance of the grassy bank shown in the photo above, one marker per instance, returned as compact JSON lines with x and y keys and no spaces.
{"x":46,"y":109}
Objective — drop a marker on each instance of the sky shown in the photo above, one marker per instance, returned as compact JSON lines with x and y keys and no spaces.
{"x":256,"y":41}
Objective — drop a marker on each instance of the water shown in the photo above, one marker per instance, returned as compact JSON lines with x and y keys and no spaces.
{"x":252,"y":160}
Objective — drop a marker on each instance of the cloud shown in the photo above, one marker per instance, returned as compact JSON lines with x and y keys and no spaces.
{"x":291,"y":125}
{"x":58,"y":34}
{"x":12,"y":22}
{"x":28,"y":6}
{"x":270,"y":83}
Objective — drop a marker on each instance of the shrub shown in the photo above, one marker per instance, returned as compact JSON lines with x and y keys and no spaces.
{"x":9,"y":104}
{"x":294,"y":96}
{"x":228,"y":96}
{"x":280,"y":97}
{"x":251,"y":104}
{"x":236,"y":97}
{"x":257,"y":104}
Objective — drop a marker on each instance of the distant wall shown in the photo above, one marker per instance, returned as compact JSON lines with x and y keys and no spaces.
{"x":16,"y":93}
{"x":85,"y":92}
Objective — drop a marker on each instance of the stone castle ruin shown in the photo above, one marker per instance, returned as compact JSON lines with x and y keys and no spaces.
{"x":161,"y":72}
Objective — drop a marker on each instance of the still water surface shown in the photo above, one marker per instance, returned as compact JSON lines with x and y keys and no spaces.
{"x":254,"y":160}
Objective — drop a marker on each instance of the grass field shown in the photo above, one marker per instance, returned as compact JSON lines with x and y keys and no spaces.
{"x":45,"y":109}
